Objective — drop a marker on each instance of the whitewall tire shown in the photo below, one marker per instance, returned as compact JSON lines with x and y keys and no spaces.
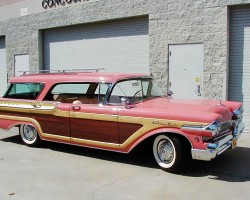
{"x":169,"y":153}
{"x":29,"y":135}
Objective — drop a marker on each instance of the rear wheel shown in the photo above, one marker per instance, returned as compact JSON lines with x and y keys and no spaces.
{"x":170,"y":153}
{"x":29,"y":135}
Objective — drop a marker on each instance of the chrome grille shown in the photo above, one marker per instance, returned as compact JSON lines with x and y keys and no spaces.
{"x":225,"y":127}
{"x":224,"y":132}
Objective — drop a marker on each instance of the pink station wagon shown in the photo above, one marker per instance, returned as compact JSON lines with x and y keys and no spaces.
{"x":118,"y":112}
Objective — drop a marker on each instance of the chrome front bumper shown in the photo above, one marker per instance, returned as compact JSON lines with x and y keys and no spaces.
{"x":215,"y":149}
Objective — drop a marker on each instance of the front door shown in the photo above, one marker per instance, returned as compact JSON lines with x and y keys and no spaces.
{"x":93,"y":122}
{"x":185,"y":70}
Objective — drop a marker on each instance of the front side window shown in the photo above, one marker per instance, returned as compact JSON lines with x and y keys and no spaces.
{"x":135,"y":91}
{"x":24,"y":90}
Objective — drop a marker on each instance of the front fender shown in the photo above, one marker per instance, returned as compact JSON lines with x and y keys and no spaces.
{"x":191,"y":138}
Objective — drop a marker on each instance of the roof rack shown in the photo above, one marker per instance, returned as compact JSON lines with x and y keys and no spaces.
{"x":63,"y":71}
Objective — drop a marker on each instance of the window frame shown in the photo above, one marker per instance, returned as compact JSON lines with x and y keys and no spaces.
{"x":14,"y":83}
{"x":90,"y":91}
{"x":122,"y":80}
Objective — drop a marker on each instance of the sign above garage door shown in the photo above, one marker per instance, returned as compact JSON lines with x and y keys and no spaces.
{"x":117,"y":46}
{"x":56,"y":3}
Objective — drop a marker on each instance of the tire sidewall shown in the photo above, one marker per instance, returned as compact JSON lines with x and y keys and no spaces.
{"x":173,"y":166}
{"x":33,"y":142}
{"x":165,"y":166}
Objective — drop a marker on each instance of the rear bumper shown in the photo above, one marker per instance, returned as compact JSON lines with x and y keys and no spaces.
{"x":215,"y":149}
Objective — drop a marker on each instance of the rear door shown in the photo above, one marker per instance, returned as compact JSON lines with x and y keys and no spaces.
{"x":53,"y":119}
{"x":91,"y":123}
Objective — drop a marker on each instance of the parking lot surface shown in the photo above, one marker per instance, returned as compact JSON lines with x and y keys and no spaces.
{"x":57,"y":172}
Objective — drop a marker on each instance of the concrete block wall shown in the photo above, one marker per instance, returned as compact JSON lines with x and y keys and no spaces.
{"x":170,"y":22}
{"x":191,"y":22}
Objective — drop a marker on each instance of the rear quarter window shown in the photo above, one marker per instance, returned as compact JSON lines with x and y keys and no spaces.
{"x":24,"y":90}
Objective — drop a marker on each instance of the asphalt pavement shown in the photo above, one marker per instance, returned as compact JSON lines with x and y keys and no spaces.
{"x":61,"y":172}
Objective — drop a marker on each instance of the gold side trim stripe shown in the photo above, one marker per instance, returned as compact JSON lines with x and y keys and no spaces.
{"x":148,"y":124}
{"x":102,"y":117}
{"x":57,"y":137}
{"x":95,"y":143}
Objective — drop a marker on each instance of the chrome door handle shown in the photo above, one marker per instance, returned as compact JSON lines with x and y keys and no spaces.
{"x":76,"y":107}
{"x":37,"y":106}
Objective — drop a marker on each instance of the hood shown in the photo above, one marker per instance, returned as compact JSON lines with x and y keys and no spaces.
{"x":188,"y":110}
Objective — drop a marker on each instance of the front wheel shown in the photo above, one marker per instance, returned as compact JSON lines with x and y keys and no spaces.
{"x":29,"y":135}
{"x":169,"y":153}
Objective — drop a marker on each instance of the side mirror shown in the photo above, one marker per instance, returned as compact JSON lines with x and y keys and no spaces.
{"x":125,"y":101}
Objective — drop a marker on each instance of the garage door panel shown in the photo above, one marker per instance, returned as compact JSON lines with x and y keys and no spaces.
{"x":3,"y":71}
{"x":239,"y":59}
{"x":116,"y":46}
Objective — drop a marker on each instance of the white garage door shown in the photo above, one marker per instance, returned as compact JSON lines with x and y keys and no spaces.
{"x":117,"y":46}
{"x":3,"y":71}
{"x":239,"y":71}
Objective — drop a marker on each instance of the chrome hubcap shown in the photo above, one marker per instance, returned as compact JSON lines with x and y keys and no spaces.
{"x":165,"y":151}
{"x":29,"y":133}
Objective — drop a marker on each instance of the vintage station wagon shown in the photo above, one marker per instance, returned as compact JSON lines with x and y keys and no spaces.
{"x":118,"y":112}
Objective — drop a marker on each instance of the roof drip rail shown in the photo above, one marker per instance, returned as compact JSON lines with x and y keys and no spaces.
{"x":63,"y":71}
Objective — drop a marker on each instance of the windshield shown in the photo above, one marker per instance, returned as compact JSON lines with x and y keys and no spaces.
{"x":135,"y":91}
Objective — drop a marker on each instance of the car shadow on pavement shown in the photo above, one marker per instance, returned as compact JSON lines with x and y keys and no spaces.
{"x":12,"y":139}
{"x":231,"y":166}
{"x":137,"y":157}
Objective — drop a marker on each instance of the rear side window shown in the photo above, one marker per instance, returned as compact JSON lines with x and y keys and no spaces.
{"x":78,"y":93}
{"x":70,"y":88}
{"x":24,"y":90}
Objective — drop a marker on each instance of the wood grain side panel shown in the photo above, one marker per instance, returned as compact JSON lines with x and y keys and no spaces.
{"x":103,"y":131}
{"x":53,"y":125}
{"x":126,"y":130}
{"x":16,"y":114}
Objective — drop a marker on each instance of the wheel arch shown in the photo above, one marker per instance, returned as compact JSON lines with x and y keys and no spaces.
{"x":9,"y":124}
{"x":166,"y":131}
